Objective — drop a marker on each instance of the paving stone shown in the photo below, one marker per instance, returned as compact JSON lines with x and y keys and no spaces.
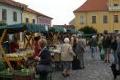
{"x":94,"y":70}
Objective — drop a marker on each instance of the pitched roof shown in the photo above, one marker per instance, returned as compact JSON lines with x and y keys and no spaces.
{"x":35,"y":12}
{"x":13,"y":3}
{"x":93,"y":5}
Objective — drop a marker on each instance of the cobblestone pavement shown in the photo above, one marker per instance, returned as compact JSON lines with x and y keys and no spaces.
{"x":94,"y":70}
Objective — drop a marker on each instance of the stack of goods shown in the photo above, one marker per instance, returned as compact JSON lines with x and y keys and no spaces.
{"x":19,"y":56}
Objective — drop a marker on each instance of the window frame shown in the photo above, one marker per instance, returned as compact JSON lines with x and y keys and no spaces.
{"x":94,"y":20}
{"x":116,"y":19}
{"x":4,"y":14}
{"x":33,"y":21}
{"x":105,"y":19}
{"x":81,"y":19}
{"x":27,"y":20}
{"x":15,"y":16}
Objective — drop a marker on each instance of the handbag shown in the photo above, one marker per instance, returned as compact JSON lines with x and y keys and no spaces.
{"x":41,"y":68}
{"x":75,"y":63}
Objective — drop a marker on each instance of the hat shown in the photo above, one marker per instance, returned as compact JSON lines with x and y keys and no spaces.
{"x":66,"y":40}
{"x":36,"y":34}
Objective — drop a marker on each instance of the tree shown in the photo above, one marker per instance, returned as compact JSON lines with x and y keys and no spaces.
{"x":88,"y":30}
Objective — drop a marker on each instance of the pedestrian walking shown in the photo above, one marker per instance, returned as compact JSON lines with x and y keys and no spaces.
{"x":44,"y":61}
{"x":67,"y":57}
{"x":114,"y":48}
{"x":107,"y":47}
{"x":93,"y":46}
{"x":80,"y":49}
{"x":118,"y":51}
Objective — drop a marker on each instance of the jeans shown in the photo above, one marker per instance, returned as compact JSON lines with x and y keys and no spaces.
{"x":115,"y":57}
{"x":119,"y":59}
{"x":93,"y":51}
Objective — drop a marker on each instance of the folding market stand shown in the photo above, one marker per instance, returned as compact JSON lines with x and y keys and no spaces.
{"x":29,"y":28}
{"x":5,"y":30}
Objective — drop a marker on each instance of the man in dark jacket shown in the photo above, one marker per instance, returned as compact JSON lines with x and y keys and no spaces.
{"x":114,"y":48}
{"x":93,"y":46}
{"x":107,"y":46}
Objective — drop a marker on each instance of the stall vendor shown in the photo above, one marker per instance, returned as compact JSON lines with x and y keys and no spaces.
{"x":36,"y":45}
{"x":14,"y":46}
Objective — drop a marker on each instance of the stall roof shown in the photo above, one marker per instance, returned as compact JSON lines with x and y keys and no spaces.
{"x":73,"y":31}
{"x":36,"y":28}
{"x":57,"y":28}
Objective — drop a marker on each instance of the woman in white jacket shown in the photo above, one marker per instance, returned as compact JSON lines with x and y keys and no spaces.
{"x":67,"y":57}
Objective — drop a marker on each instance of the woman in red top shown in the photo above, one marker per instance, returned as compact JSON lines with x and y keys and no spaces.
{"x":36,"y":46}
{"x":14,"y":46}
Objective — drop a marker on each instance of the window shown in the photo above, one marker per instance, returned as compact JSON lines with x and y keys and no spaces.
{"x":4,"y":14}
{"x":33,"y":21}
{"x":81,"y":20}
{"x":93,"y":19}
{"x":115,"y":4}
{"x":27,"y":20}
{"x":14,"y":16}
{"x":116,"y":19}
{"x":105,"y":19}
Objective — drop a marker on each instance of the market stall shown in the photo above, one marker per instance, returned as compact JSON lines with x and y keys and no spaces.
{"x":55,"y":33}
{"x":31,"y":29}
{"x":12,"y":55}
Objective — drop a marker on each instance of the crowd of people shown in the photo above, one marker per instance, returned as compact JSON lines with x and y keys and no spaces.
{"x":75,"y":47}
{"x":70,"y":48}
{"x":109,"y":43}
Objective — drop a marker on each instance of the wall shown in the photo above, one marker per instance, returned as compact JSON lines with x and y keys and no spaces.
{"x":99,"y":25}
{"x":29,"y":15}
{"x":44,"y":21}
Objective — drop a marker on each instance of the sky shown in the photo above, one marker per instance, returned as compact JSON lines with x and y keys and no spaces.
{"x":60,"y":10}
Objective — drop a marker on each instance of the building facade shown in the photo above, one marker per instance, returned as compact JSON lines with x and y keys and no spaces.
{"x":29,"y":16}
{"x":44,"y":20}
{"x":99,"y":14}
{"x":10,"y":12}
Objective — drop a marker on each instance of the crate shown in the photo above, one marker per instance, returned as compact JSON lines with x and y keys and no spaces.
{"x":6,"y":75}
{"x":24,"y":75}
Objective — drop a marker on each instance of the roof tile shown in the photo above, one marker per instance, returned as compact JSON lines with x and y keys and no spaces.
{"x":93,"y":5}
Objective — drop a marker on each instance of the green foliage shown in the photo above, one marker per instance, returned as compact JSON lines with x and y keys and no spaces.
{"x":88,"y":30}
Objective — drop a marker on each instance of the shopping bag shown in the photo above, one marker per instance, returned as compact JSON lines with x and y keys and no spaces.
{"x":102,"y":54}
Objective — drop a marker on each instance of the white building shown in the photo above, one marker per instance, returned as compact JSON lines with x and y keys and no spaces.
{"x":11,"y":12}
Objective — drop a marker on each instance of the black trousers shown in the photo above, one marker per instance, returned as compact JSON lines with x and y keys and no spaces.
{"x":119,"y":60}
{"x":43,"y":76}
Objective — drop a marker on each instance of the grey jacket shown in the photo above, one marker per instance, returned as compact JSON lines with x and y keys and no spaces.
{"x":80,"y":47}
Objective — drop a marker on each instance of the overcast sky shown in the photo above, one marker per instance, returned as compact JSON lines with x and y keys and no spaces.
{"x":60,"y":10}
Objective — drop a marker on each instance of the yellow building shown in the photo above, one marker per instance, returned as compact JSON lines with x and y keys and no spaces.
{"x":29,"y":16}
{"x":99,"y":14}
